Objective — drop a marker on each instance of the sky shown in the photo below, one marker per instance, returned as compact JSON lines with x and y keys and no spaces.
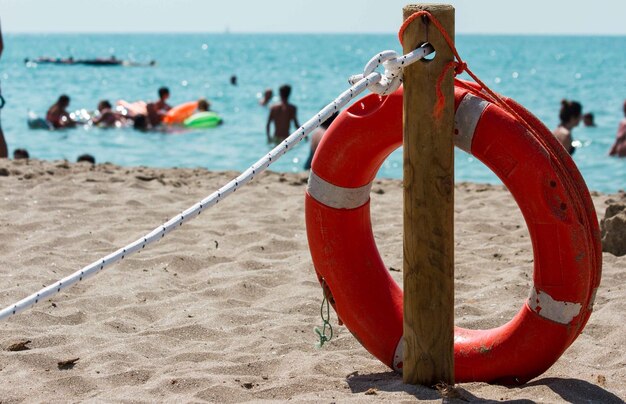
{"x":604,"y":17}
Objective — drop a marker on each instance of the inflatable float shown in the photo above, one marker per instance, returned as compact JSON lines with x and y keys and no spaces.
{"x":179,"y":113}
{"x":80,"y":116}
{"x":200,"y":120}
{"x":132,"y":108}
{"x":36,"y":122}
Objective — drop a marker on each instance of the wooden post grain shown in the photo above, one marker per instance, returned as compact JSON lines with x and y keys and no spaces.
{"x":428,"y":205}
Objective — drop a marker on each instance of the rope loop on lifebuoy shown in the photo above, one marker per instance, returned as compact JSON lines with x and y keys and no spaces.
{"x":391,"y":79}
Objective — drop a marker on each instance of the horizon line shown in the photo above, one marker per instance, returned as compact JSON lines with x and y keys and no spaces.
{"x":299,"y":33}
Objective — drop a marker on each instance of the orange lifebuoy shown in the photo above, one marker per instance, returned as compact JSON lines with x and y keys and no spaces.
{"x":548,"y":189}
{"x":179,"y":113}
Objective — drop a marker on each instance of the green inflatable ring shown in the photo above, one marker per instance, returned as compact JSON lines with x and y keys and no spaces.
{"x":207,"y":119}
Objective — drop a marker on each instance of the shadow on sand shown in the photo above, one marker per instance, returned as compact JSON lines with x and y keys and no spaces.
{"x":576,"y":391}
{"x":570,"y":390}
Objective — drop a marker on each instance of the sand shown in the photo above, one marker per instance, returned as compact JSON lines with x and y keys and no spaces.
{"x":223,"y":309}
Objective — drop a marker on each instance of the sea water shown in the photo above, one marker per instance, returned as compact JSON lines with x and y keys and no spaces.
{"x":537,"y":71}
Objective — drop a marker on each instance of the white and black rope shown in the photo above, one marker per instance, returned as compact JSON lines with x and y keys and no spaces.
{"x":381,"y":84}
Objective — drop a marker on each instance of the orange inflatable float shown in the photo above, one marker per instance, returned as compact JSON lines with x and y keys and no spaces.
{"x":179,"y":113}
{"x":548,"y":189}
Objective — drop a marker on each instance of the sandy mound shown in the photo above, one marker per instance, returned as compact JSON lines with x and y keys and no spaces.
{"x":613,"y":226}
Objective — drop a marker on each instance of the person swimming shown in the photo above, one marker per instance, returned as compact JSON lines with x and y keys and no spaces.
{"x":267,"y":97}
{"x":110,"y":61}
{"x":619,"y":146}
{"x":203,"y":105}
{"x":316,"y":138}
{"x":281,"y":114}
{"x":107,"y":118}
{"x":19,"y":154}
{"x":140,"y":123}
{"x":569,"y":116}
{"x":156,"y":111}
{"x":58,"y":116}
{"x":88,"y":158}
{"x":588,"y":120}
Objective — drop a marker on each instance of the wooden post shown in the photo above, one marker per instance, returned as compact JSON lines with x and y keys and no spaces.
{"x":428,"y":205}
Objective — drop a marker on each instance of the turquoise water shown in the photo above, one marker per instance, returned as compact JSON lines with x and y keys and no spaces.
{"x":536,"y":71}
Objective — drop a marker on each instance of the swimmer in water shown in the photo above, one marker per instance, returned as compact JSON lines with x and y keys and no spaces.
{"x":570,"y":116}
{"x":157,"y":110}
{"x":58,"y":116}
{"x":281,"y":114}
{"x":267,"y":97}
{"x":107,"y":118}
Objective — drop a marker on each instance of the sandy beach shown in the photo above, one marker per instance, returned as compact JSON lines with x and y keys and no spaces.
{"x":223,"y":309}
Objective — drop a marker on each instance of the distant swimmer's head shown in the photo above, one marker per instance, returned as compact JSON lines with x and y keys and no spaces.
{"x":588,"y":119}
{"x":20,"y":154}
{"x":203,"y":105}
{"x":104,"y":105}
{"x":571,"y":112}
{"x":284,"y":91}
{"x":233,"y":80}
{"x":63,"y":101}
{"x":152,"y":63}
{"x":140,"y":122}
{"x":86,"y":157}
{"x":164,"y":93}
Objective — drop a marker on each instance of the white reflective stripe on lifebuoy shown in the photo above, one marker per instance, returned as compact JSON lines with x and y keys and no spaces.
{"x":466,"y":118}
{"x":335,"y":196}
{"x":398,"y":356}
{"x":593,"y":299}
{"x":543,"y":304}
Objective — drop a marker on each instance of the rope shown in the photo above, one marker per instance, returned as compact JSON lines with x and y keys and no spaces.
{"x":369,"y":80}
{"x":393,"y":64}
{"x":459,"y":67}
{"x":323,"y":338}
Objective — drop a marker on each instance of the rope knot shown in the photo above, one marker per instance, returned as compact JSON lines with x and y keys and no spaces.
{"x":460,"y":67}
{"x":390,"y":80}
